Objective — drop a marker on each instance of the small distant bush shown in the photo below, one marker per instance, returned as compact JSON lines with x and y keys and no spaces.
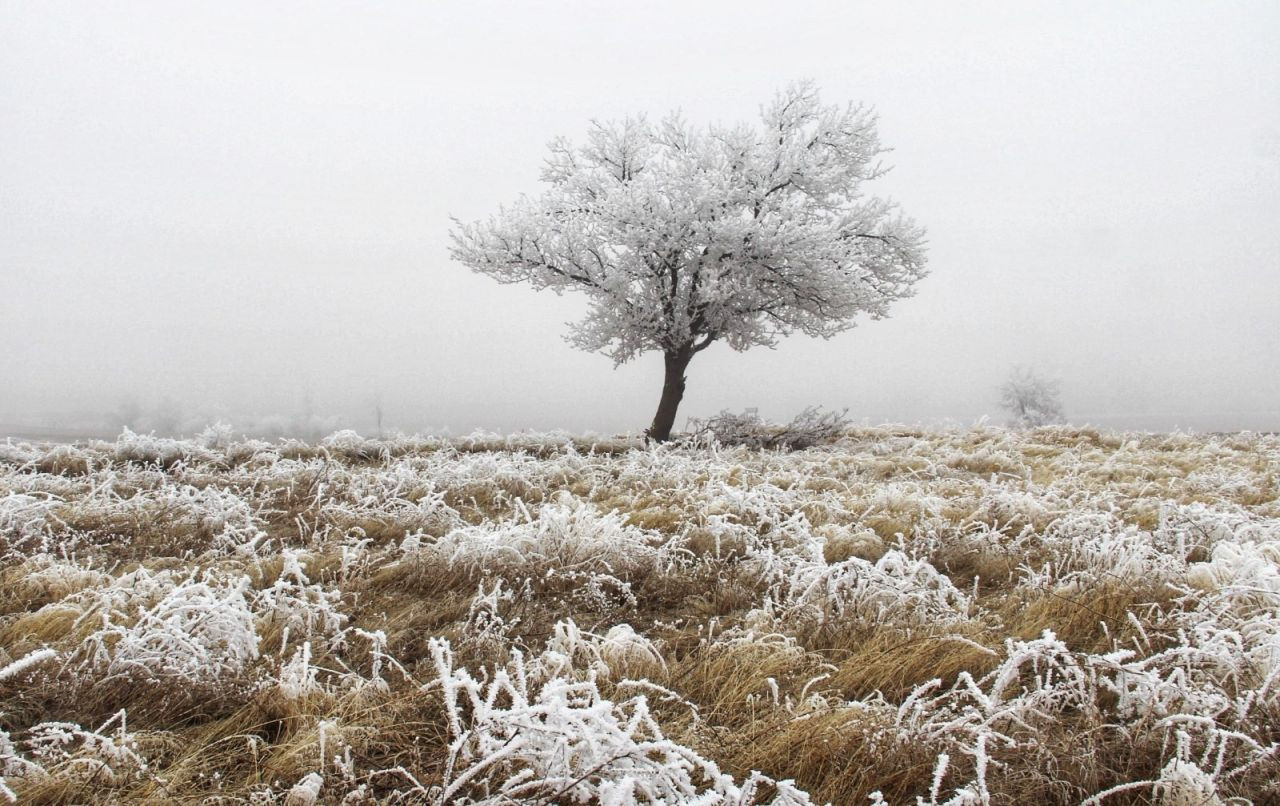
{"x":809,"y":428}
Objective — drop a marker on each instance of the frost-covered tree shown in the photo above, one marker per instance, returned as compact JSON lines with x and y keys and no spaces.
{"x":1030,"y":399}
{"x":682,"y":236}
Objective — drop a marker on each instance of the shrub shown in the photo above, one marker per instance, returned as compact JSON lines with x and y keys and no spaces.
{"x":808,"y":429}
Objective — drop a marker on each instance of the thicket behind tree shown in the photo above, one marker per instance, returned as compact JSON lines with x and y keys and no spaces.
{"x":681,"y":236}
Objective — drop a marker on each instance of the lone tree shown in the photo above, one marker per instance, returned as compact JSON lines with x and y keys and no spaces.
{"x":681,"y":237}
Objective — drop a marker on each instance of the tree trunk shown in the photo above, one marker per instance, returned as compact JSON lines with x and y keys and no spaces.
{"x":672,"y":392}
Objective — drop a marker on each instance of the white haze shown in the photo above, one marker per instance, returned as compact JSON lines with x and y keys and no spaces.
{"x":243,"y":208}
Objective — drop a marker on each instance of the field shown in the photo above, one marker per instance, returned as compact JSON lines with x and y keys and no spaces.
{"x":905,"y":616}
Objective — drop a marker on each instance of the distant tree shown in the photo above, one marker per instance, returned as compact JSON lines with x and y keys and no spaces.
{"x":681,"y":237}
{"x":1030,"y":399}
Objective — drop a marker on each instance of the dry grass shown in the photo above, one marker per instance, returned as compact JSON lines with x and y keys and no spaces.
{"x":494,"y":543}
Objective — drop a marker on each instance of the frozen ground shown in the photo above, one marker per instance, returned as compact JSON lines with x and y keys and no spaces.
{"x":977,"y":616}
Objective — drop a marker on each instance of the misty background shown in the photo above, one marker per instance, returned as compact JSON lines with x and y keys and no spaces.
{"x":240,"y":210}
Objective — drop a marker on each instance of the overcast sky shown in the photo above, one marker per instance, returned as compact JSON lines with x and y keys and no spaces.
{"x":244,"y":207}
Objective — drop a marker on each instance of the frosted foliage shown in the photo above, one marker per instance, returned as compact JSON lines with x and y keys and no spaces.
{"x":395,"y":493}
{"x":216,"y":435}
{"x":27,"y":663}
{"x":618,"y":652}
{"x":107,"y":755}
{"x":681,"y":236}
{"x":222,"y":518}
{"x":58,"y":578}
{"x":199,"y":630}
{"x":517,"y":738}
{"x":753,"y":597}
{"x":298,"y":678}
{"x":346,"y":441}
{"x":150,"y":449}
{"x":897,"y":588}
{"x":623,"y":649}
{"x":1249,"y":571}
{"x":1183,"y":691}
{"x":13,"y":766}
{"x":809,"y":428}
{"x":298,"y":605}
{"x":562,"y":537}
{"x":10,"y":765}
{"x":306,"y":791}
{"x":25,"y":516}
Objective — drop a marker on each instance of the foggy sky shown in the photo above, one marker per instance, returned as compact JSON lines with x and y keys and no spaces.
{"x":244,"y":207}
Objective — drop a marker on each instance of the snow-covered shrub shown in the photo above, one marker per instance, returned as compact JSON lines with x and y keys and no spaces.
{"x":566,"y":536}
{"x":296,"y":606}
{"x":809,"y":428}
{"x":164,"y":452}
{"x":518,"y":738}
{"x":895,"y":589}
{"x":625,"y":651}
{"x":486,"y":628}
{"x":66,"y":750}
{"x":618,"y":652}
{"x":216,"y":435}
{"x":350,"y":445}
{"x":65,"y":460}
{"x":400,"y":497}
{"x":195,"y":632}
{"x":298,"y":678}
{"x":27,"y":521}
{"x":170,"y":518}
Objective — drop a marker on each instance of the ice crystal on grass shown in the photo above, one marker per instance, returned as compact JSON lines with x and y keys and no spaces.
{"x":148,"y":449}
{"x":396,"y":497}
{"x":298,"y":606}
{"x":27,"y":662}
{"x":620,"y":651}
{"x":306,"y":791}
{"x":948,"y":617}
{"x":107,"y":756}
{"x":298,"y":678}
{"x":809,"y":428}
{"x":519,"y":738}
{"x":26,"y":521}
{"x":198,"y":631}
{"x":562,"y":538}
{"x":895,"y":589}
{"x":351,"y":445}
{"x":11,"y":765}
{"x":1193,"y":696}
{"x":486,"y":627}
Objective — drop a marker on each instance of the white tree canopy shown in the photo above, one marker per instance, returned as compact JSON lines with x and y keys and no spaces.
{"x":682,"y":236}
